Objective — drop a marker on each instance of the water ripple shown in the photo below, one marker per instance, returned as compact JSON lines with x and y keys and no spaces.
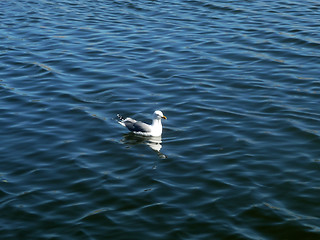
{"x":239,"y":156}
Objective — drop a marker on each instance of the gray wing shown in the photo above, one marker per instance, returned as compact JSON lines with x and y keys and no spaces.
{"x":137,"y":126}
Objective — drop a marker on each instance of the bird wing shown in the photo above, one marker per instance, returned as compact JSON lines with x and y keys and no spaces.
{"x":136,"y":126}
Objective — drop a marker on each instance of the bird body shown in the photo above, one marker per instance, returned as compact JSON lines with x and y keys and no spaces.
{"x":141,"y":128}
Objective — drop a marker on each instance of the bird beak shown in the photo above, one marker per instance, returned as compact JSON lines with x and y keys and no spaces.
{"x":164,"y":117}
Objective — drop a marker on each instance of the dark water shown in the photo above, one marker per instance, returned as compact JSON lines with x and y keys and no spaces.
{"x":240,"y":152}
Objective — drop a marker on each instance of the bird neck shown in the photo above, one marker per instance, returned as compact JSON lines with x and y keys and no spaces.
{"x":156,"y":122}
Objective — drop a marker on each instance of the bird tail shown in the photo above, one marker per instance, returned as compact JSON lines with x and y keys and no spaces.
{"x":121,"y":120}
{"x":120,"y":117}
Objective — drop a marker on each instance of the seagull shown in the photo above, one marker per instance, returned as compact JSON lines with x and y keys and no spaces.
{"x":141,"y":128}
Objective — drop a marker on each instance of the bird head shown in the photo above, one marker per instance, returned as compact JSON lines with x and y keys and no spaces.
{"x":158,"y":114}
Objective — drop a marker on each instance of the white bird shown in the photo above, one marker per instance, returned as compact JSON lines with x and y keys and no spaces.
{"x":141,"y":128}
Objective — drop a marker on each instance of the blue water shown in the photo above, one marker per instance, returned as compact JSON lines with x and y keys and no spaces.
{"x":239,"y":156}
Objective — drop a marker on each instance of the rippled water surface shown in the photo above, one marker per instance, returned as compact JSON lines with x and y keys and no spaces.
{"x":240,"y":152}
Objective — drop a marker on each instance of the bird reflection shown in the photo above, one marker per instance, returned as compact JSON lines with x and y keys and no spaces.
{"x":153,"y":142}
